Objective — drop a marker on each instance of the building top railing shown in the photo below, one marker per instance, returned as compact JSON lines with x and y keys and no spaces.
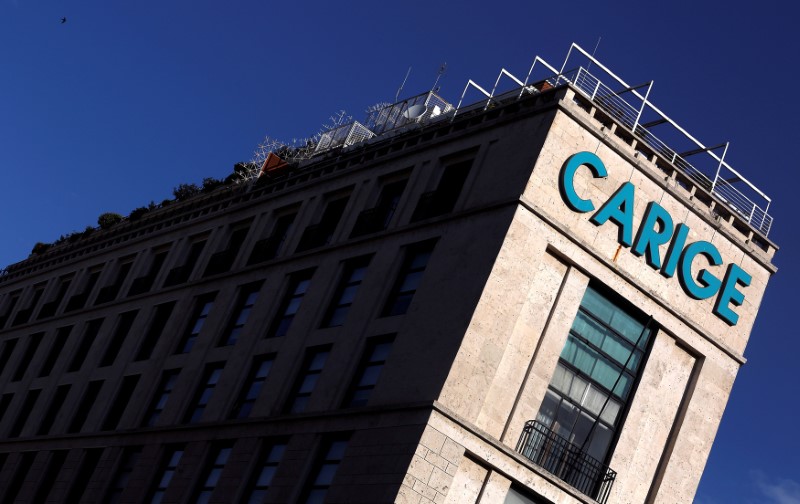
{"x":639,"y":115}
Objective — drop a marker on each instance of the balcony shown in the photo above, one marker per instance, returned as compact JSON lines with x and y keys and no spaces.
{"x":566,"y":461}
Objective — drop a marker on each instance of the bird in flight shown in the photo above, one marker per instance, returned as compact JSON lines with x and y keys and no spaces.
{"x":63,"y":20}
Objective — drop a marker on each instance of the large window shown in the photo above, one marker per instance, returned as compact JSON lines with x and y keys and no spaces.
{"x":161,"y":397}
{"x":352,"y":276}
{"x":204,"y":392}
{"x":327,"y":464}
{"x":271,"y":455}
{"x":248,"y":295}
{"x":307,"y":379}
{"x":369,"y":370}
{"x":202,"y":308}
{"x":295,"y":292}
{"x":160,"y":318}
{"x":409,"y":278}
{"x":268,"y":248}
{"x":252,"y":387}
{"x":169,"y":464}
{"x":596,"y":374}
{"x":213,"y":471}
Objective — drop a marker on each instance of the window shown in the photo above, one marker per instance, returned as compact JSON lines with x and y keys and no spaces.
{"x":34,"y":340}
{"x":157,"y":324}
{"x":5,"y":402}
{"x":59,"y":341}
{"x":369,"y":370}
{"x":13,"y":299}
{"x":202,"y":307}
{"x":377,"y":219}
{"x":445,"y":197}
{"x":352,"y":276}
{"x":223,"y":260}
{"x":143,"y":284}
{"x":330,"y":456}
{"x":124,"y":323}
{"x":8,"y":349}
{"x":53,"y":409}
{"x":109,"y":292}
{"x":23,"y":316}
{"x":203,"y":395}
{"x":252,"y":387}
{"x":409,"y":278}
{"x":49,"y":309}
{"x":248,"y":295}
{"x":298,"y":285}
{"x":269,"y":247}
{"x":122,"y":399}
{"x":591,"y":388}
{"x":130,"y":457}
{"x":523,"y":496}
{"x":89,"y":335}
{"x":321,"y":233}
{"x":211,"y":474}
{"x":307,"y":379}
{"x":159,"y":401}
{"x":77,"y":301}
{"x":54,"y":465}
{"x":80,"y":482}
{"x":24,"y":413}
{"x":20,"y":473}
{"x":85,"y":406}
{"x":181,"y":274}
{"x":169,"y":463}
{"x":271,"y":455}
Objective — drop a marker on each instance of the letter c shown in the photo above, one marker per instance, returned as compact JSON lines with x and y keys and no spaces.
{"x":567,"y":175}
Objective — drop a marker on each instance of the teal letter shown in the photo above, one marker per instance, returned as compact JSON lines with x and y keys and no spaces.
{"x":707,"y":284}
{"x":618,"y":209}
{"x":648,"y":239}
{"x":567,"y":175}
{"x":730,"y":295}
{"x":674,"y":250}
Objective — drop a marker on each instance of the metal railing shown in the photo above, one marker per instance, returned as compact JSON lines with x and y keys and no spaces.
{"x":719,"y":183}
{"x":743,"y":198}
{"x":566,"y":461}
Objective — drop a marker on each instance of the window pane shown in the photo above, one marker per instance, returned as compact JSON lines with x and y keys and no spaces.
{"x":326,"y":474}
{"x":547,"y":412}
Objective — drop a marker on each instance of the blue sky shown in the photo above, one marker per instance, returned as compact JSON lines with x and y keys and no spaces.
{"x":128,"y":99}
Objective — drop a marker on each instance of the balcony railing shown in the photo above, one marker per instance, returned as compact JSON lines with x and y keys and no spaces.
{"x":566,"y":461}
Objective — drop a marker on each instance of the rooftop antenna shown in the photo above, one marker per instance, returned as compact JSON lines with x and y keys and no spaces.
{"x":442,"y":71}
{"x":397,"y":96}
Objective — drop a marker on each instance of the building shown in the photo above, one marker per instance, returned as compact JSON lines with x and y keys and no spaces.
{"x":529,"y":299}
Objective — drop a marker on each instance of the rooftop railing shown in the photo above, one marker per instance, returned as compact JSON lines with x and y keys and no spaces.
{"x":721,"y":183}
{"x":638,"y":114}
{"x":566,"y":461}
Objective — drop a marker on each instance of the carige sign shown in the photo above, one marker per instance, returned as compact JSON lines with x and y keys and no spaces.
{"x":657,"y":228}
